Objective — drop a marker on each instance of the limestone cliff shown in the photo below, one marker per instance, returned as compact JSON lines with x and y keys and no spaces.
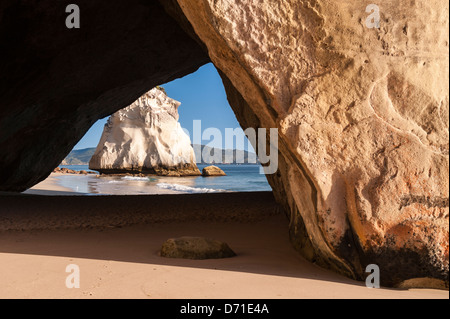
{"x":146,"y":137}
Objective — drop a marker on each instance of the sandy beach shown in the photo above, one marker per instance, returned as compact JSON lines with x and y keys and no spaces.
{"x":115,"y":240}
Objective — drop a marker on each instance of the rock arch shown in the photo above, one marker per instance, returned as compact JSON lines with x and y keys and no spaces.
{"x":362,"y":113}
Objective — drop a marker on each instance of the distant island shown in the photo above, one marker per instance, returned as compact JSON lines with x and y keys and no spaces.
{"x":79,"y":157}
{"x":236,"y":156}
{"x":83,"y":156}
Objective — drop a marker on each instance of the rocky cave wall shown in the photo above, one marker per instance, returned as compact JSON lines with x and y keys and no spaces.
{"x":57,"y":82}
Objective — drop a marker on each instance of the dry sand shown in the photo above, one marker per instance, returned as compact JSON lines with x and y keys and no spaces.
{"x":115,"y":242}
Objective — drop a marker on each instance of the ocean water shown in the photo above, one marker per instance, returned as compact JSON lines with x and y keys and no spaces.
{"x":240,"y":178}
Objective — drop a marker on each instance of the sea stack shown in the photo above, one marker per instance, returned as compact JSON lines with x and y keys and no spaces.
{"x":146,"y":138}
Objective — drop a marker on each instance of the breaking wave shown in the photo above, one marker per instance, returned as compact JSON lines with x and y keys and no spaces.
{"x":133,"y":178}
{"x":187,"y":189}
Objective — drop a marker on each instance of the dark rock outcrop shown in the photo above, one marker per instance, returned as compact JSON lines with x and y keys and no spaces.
{"x":65,"y":170}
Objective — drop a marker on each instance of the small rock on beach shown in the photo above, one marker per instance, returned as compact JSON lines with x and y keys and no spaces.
{"x":197,"y":248}
{"x":213,"y":171}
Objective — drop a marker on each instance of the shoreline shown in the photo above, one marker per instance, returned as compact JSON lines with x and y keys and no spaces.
{"x":54,"y":186}
{"x":67,"y":184}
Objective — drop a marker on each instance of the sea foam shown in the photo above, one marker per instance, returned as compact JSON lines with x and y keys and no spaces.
{"x":133,"y":178}
{"x":187,"y":189}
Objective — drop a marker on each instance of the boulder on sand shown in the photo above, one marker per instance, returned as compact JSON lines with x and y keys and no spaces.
{"x":196,"y":248}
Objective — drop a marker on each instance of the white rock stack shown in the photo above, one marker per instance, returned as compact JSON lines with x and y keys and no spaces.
{"x":146,"y":138}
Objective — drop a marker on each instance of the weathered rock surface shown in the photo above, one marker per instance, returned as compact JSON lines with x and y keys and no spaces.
{"x":213,"y":171}
{"x":196,"y":248}
{"x":146,"y":137}
{"x":363,"y":121}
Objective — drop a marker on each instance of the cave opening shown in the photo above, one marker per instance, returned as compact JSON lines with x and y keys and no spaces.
{"x":207,"y":120}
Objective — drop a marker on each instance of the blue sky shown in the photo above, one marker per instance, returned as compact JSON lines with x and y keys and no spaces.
{"x":202,"y":97}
